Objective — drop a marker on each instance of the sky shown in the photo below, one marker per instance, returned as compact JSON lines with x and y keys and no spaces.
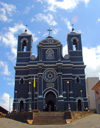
{"x":40,"y":15}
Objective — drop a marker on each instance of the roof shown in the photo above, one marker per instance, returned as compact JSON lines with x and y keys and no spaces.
{"x":4,"y":108}
{"x":73,"y":32}
{"x":49,"y":37}
{"x":25,"y":33}
{"x":50,"y":40}
{"x":96,"y":86}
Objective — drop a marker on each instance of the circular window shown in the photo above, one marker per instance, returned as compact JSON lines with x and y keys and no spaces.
{"x":50,"y":75}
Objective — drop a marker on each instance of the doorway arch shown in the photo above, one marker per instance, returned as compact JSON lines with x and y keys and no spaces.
{"x":50,"y":100}
{"x":79,"y":105}
{"x":21,"y":106}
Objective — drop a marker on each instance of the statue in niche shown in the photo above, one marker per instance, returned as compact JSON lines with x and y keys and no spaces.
{"x":49,"y":54}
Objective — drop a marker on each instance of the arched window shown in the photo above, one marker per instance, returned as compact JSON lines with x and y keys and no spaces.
{"x":49,"y":54}
{"x":22,"y":81}
{"x":74,"y":41}
{"x":24,"y":42}
{"x":77,"y":80}
{"x":21,"y":106}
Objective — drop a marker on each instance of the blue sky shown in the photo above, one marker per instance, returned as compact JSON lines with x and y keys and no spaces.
{"x":39,"y":15}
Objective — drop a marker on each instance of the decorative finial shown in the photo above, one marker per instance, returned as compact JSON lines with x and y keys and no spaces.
{"x":49,"y":31}
{"x":26,"y":28}
{"x":72,"y":27}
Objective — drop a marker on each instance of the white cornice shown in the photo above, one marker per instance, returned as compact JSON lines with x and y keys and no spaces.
{"x":75,"y":51}
{"x":23,"y":52}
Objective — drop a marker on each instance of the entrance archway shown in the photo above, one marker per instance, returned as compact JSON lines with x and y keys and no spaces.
{"x":21,"y":106}
{"x":79,"y":105}
{"x":50,"y":100}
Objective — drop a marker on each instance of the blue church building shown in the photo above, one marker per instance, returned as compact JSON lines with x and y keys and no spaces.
{"x":59,"y":81}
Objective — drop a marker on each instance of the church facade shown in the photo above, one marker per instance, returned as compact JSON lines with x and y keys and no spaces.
{"x":59,"y":81}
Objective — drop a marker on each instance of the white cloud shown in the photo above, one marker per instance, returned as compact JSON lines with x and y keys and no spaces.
{"x":79,"y":31}
{"x":64,"y":4}
{"x":99,"y":19}
{"x":47,"y":18}
{"x":6,"y":72}
{"x":10,"y":83}
{"x":34,"y":37}
{"x":4,"y":67}
{"x":55,"y":31}
{"x":67,"y":23}
{"x":10,"y":40}
{"x":27,"y":9}
{"x":6,"y":101}
{"x":40,"y":1}
{"x":7,"y":9}
{"x":46,"y":34}
{"x":50,"y":8}
{"x":65,"y":50}
{"x":91,"y":58}
{"x":86,"y":1}
{"x":39,"y":32}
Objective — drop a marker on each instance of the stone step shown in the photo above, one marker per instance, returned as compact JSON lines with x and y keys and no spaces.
{"x":49,"y":118}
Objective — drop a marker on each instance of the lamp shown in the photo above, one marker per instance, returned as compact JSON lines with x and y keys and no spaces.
{"x":80,"y":90}
{"x":29,"y":82}
{"x":15,"y":91}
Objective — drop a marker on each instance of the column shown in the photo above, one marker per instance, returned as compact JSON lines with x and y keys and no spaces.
{"x":40,"y":84}
{"x":36,"y":94}
{"x":70,"y":90}
{"x":30,"y":96}
{"x":68,"y":87}
{"x":40,"y":97}
{"x":40,"y":87}
{"x":64,"y":92}
{"x":60,"y":89}
{"x":60,"y":84}
{"x":40,"y":53}
{"x":59,"y":55}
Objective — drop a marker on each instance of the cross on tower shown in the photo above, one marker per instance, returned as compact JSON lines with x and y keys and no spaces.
{"x":72,"y":27}
{"x":26,"y":28}
{"x":26,"y":25}
{"x":49,"y":31}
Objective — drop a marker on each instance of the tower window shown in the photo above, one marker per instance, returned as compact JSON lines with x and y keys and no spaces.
{"x":24,"y":46}
{"x":24,"y":43}
{"x":74,"y":43}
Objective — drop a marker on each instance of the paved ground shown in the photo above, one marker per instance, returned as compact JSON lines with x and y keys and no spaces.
{"x":92,"y":121}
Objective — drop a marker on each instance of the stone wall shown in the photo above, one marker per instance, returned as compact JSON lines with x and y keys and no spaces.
{"x":21,"y":116}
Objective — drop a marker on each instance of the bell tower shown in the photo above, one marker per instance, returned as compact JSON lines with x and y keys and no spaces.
{"x":24,"y":49}
{"x":75,"y":46}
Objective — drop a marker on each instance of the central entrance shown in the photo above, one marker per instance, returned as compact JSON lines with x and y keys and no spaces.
{"x":50,"y":100}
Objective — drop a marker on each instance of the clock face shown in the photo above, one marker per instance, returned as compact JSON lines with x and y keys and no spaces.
{"x":50,"y":75}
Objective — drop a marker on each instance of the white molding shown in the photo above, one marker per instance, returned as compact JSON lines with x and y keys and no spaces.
{"x":23,"y":52}
{"x":22,"y":100}
{"x":50,"y":91}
